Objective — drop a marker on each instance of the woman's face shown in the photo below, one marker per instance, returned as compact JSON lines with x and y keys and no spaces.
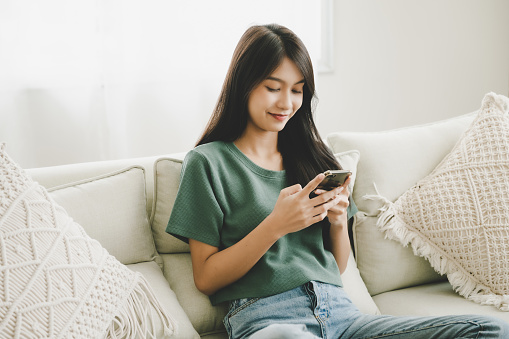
{"x":276,"y":99}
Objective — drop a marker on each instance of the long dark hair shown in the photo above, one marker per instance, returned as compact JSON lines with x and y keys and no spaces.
{"x":259,"y":52}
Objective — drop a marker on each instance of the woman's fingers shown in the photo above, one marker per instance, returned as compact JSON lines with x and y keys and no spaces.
{"x":312,"y":185}
{"x":325,"y":196}
{"x":292,"y":190}
{"x":299,"y":211}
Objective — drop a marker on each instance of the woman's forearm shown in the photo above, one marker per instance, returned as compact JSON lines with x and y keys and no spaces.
{"x":340,"y":243}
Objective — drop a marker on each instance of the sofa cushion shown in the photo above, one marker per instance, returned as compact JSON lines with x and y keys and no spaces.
{"x":56,"y":281}
{"x":356,"y":289}
{"x":376,"y":259}
{"x":168,"y":300}
{"x":394,"y":161}
{"x":54,"y":176}
{"x":435,"y":299}
{"x":458,"y":216}
{"x":206,"y":319}
{"x":166,"y":181}
{"x":112,"y":209}
{"x":349,"y":161}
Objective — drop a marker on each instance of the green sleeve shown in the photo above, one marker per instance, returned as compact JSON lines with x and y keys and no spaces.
{"x":196,"y":213}
{"x":352,"y":208}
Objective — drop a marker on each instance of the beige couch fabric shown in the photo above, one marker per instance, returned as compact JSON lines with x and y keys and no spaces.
{"x":206,"y":319}
{"x":166,"y":181}
{"x":112,"y":208}
{"x":434,"y":299}
{"x":167,"y":298}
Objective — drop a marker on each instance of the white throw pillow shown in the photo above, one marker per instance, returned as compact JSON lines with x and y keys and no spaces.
{"x":55,"y":280}
{"x":457,"y":217}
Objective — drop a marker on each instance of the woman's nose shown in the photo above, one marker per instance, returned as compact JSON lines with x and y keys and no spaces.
{"x":285,"y":101}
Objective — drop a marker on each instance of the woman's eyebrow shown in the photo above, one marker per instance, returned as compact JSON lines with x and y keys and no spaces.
{"x":282,"y":81}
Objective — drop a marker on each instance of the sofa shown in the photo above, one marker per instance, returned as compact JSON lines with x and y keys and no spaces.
{"x":125,"y":205}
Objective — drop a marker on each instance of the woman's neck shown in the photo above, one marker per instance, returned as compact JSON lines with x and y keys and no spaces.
{"x":262,"y":150}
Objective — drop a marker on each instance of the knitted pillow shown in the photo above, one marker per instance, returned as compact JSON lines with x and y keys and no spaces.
{"x":57,"y":282}
{"x":458,"y":216}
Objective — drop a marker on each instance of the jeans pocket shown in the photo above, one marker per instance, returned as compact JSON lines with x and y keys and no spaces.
{"x":236,"y":306}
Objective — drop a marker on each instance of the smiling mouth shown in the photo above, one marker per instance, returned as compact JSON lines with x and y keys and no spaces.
{"x":279,"y":117}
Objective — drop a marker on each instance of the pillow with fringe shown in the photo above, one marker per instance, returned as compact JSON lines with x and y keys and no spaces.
{"x":458,"y":216}
{"x":56,"y":281}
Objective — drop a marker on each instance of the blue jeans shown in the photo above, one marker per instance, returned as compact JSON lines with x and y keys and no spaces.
{"x":317,"y":310}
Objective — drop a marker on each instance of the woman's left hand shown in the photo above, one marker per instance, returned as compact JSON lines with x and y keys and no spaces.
{"x":337,"y":214}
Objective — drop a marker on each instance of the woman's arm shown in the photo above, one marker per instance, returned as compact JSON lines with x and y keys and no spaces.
{"x":294,"y":210}
{"x":340,"y":243}
{"x":338,"y":218}
{"x":214,"y":269}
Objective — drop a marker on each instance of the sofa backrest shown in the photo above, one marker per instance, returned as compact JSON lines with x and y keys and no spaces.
{"x":54,"y":176}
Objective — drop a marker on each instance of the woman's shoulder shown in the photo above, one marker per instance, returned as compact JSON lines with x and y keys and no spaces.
{"x":210,"y":159}
{"x":212,"y":152}
{"x":210,"y":149}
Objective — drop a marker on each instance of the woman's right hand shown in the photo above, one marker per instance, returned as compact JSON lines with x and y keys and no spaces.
{"x":295,"y":210}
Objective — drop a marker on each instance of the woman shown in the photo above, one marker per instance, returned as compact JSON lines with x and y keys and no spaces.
{"x":261,"y":236}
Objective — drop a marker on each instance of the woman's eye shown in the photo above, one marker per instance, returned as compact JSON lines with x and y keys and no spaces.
{"x":272,"y":89}
{"x":296,"y":91}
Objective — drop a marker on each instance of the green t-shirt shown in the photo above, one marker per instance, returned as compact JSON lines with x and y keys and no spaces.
{"x":222,"y":197}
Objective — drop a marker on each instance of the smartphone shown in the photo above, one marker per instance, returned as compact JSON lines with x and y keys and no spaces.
{"x":333,"y":179}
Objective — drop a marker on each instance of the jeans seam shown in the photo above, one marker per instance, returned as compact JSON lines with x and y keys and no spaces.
{"x":316,"y":312}
{"x":310,"y":295}
{"x":228,"y":327}
{"x":314,"y":298}
{"x":424,"y":328}
{"x":226,"y":319}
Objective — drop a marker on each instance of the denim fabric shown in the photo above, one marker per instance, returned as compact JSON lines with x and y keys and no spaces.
{"x":317,"y":310}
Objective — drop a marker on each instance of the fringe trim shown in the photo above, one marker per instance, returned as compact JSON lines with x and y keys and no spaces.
{"x":394,"y":228}
{"x":136,"y":318}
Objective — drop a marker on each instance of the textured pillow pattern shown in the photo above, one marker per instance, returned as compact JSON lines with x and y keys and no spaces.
{"x":458,"y":216}
{"x":57,"y":282}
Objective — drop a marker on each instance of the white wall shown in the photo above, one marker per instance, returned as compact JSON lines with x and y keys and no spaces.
{"x":404,"y":62}
{"x":103,"y":80}
{"x":96,"y":80}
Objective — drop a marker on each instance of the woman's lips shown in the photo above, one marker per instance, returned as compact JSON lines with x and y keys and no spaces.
{"x":280,"y":117}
